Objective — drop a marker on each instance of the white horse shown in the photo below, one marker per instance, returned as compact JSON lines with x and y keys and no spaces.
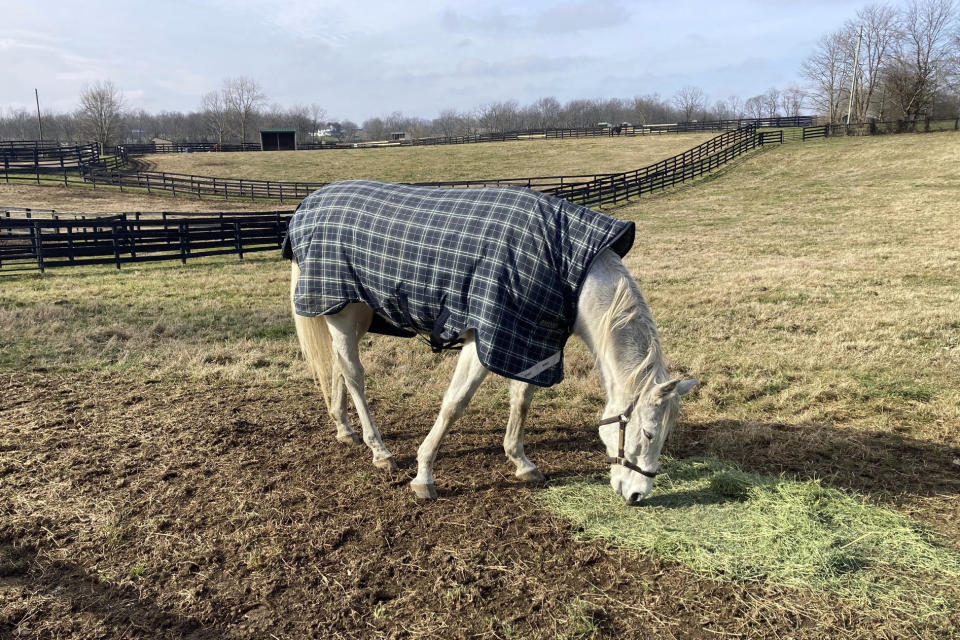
{"x":614,"y":322}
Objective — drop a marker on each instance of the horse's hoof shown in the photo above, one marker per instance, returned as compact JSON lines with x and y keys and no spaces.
{"x":532,"y":476}
{"x":349,"y":438}
{"x":387,"y":464}
{"x":424,"y":491}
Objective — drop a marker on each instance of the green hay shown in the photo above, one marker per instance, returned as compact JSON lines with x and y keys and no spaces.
{"x":731,"y":525}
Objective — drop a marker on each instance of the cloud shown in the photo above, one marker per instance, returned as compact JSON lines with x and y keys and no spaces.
{"x":560,"y":18}
{"x":586,"y":15}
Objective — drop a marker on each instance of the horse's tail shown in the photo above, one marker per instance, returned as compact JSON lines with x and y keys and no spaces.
{"x":314,"y":342}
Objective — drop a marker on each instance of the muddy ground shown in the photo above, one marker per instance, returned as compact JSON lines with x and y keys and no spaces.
{"x":147,"y":508}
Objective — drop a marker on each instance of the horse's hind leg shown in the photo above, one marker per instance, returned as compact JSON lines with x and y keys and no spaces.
{"x":346,"y":328}
{"x":338,"y":408}
{"x":466,"y":380}
{"x":521,"y":393}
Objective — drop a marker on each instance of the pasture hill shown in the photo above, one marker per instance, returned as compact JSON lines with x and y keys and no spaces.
{"x":166,"y":468}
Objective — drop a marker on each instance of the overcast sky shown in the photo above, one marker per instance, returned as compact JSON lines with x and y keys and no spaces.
{"x":370,"y":57}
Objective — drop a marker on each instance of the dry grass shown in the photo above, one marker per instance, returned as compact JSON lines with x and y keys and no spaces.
{"x":110,"y":200}
{"x":454,"y":162}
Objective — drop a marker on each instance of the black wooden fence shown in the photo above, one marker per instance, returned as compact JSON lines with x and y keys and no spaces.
{"x":200,"y":186}
{"x":874,"y":128}
{"x":35,"y":157}
{"x":614,"y":188}
{"x":226,"y":188}
{"x":135,"y":237}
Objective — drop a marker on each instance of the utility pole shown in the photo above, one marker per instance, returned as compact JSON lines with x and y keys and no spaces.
{"x":853,"y":78}
{"x":36,"y":94}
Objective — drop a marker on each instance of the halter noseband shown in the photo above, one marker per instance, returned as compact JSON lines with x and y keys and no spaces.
{"x":621,"y":458}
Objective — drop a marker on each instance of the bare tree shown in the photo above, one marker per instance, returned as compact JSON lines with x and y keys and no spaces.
{"x":318,"y":115}
{"x":754,"y":107}
{"x":736,"y":106}
{"x":691,"y":101}
{"x":721,"y":110}
{"x":771,"y":102}
{"x":216,"y":113}
{"x":881,"y":32}
{"x":101,"y":111}
{"x":500,"y":116}
{"x":447,"y":123}
{"x":243,"y":97}
{"x":793,"y":99}
{"x":827,"y":70}
{"x":375,"y":129}
{"x":545,"y":113}
{"x":349,"y":130}
{"x":920,"y":56}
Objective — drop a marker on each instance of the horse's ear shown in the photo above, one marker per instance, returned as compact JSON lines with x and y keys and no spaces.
{"x":681,"y":387}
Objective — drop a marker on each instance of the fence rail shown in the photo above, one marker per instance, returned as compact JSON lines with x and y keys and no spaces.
{"x":27,"y":243}
{"x":37,"y":157}
{"x":613,"y":188}
{"x":200,"y":186}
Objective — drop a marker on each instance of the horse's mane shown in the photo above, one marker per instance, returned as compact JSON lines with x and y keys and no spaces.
{"x":627,"y":335}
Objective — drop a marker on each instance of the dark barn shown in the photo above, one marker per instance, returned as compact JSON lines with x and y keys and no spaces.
{"x":278,"y":139}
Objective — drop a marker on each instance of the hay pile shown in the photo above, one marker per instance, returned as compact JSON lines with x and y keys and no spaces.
{"x":730,"y":525}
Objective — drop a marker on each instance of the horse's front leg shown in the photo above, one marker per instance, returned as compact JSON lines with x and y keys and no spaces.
{"x":345,"y":335}
{"x":521,"y":393}
{"x":466,"y":380}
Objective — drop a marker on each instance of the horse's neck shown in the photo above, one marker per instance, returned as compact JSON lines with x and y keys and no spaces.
{"x":614,"y":322}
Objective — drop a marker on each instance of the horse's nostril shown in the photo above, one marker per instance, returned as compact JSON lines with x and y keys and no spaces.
{"x":634,"y":498}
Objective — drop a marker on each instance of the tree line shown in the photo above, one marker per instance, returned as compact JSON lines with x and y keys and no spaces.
{"x":888,"y":63}
{"x":237,"y":110}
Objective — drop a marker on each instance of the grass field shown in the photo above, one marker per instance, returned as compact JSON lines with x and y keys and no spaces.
{"x":162,"y":466}
{"x":523,"y":158}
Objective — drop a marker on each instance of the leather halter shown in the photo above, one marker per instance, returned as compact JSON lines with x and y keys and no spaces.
{"x":621,"y":458}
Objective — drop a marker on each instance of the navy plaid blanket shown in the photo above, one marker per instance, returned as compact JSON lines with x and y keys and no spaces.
{"x":507,"y":262}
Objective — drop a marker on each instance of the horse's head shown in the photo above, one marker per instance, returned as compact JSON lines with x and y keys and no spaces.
{"x":635,"y":438}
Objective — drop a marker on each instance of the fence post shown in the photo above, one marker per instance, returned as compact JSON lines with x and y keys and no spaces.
{"x":236,"y":233}
{"x":116,"y":244}
{"x":37,"y":245}
{"x":183,"y":242}
{"x":131,"y":237}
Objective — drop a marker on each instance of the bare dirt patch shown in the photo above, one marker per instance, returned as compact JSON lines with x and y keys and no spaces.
{"x":224,"y":511}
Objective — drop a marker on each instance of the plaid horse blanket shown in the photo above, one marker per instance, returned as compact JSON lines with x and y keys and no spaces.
{"x":508,"y":262}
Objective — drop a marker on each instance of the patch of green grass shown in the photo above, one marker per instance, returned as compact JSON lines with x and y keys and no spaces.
{"x":581,"y":621}
{"x":743,"y":527}
{"x":891,"y":387}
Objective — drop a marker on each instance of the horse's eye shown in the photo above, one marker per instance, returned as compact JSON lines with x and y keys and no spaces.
{"x":647,"y":434}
